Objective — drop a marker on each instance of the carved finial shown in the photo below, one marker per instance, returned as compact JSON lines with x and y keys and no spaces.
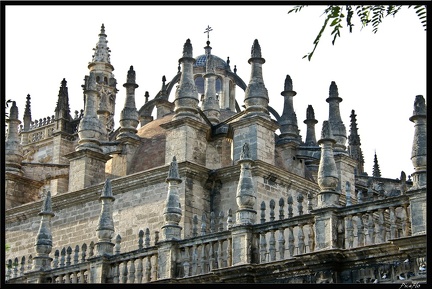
{"x":173,"y":172}
{"x":288,"y":83}
{"x":91,"y":82}
{"x":235,"y":69}
{"x":419,"y":105}
{"x":47,"y":206}
{"x":245,"y":153}
{"x":256,"y":50}
{"x":333,"y":90}
{"x":131,"y":75}
{"x":403,"y":177}
{"x":187,"y":49}
{"x":310,"y":114}
{"x":107,"y":190}
{"x":326,"y":132}
{"x":103,"y":29}
{"x":146,"y":95}
{"x":13,"y":111}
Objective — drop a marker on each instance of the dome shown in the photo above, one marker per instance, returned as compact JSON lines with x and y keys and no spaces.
{"x":201,"y":61}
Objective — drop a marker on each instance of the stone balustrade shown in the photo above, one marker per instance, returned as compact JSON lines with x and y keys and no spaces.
{"x":210,"y":246}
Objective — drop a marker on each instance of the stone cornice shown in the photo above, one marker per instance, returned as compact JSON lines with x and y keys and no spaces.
{"x":345,"y":158}
{"x":44,"y":165}
{"x":254,"y":119}
{"x":23,"y":180}
{"x":263,"y":169}
{"x":87,"y":153}
{"x":186,"y":121}
{"x":119,"y":186}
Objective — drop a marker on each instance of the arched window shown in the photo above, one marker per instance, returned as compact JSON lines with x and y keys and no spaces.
{"x":199,"y":83}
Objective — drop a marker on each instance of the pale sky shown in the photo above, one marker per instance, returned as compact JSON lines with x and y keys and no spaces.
{"x":378,"y":75}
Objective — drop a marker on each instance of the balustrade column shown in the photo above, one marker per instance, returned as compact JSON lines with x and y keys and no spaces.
{"x":360,"y":230}
{"x":229,"y":253}
{"x":116,"y":272}
{"x":131,"y":278}
{"x":148,"y":269}
{"x":349,"y":231}
{"x":220,"y":254}
{"x":291,"y":241}
{"x":263,"y":247}
{"x":124,"y":272}
{"x":405,"y":221}
{"x":272,"y":248}
{"x":194,"y":259}
{"x":393,"y":226}
{"x":139,"y":270}
{"x":212,"y":259}
{"x":154,"y":268}
{"x":371,"y":227}
{"x":281,"y":241}
{"x":311,"y":237}
{"x":203,"y":260}
{"x":301,"y":243}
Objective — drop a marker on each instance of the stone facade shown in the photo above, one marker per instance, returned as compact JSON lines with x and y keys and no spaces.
{"x":205,"y":192}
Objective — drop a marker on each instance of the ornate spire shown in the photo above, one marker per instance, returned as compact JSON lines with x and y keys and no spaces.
{"x":288,"y":120}
{"x":63,"y":99}
{"x":62,"y":109}
{"x":327,"y":171}
{"x":172,"y":212}
{"x":419,"y":147}
{"x":354,"y":149}
{"x":337,"y":126}
{"x":129,"y":114}
{"x":186,"y":98}
{"x":256,"y":96}
{"x":43,"y":243}
{"x":246,"y":195}
{"x":13,"y":148}
{"x":376,"y":170}
{"x":102,"y":52}
{"x":418,"y":191}
{"x":210,"y":104}
{"x":310,"y":122}
{"x":27,"y":114}
{"x":105,"y":229}
{"x":164,"y":92}
{"x":90,"y":128}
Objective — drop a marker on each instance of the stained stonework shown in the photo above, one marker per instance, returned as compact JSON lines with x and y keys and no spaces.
{"x":205,"y":190}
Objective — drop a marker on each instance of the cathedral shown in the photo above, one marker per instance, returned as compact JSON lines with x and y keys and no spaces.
{"x":194,"y":187}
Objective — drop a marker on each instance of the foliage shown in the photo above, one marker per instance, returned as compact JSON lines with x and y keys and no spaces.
{"x":368,"y":14}
{"x":6,"y":107}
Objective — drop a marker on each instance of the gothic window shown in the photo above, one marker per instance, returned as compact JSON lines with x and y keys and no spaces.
{"x":218,"y":85}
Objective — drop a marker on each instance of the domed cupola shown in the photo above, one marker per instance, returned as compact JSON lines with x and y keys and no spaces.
{"x":218,"y":62}
{"x":225,"y":85}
